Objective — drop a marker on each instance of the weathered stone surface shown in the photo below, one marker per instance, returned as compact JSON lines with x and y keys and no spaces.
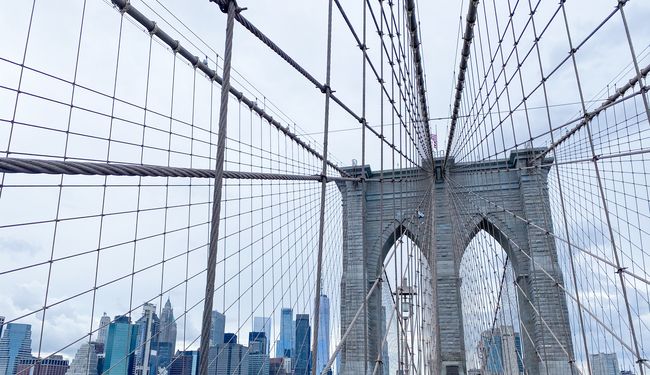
{"x":499,"y":197}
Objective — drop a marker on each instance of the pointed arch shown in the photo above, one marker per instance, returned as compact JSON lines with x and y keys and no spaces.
{"x":498,"y":230}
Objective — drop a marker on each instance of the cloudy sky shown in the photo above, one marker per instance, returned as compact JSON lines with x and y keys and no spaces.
{"x":177,"y":99}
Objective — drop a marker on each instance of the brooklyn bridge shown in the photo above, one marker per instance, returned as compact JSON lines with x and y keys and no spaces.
{"x":324,"y":187}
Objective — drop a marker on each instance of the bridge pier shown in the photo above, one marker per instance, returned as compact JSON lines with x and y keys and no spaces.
{"x":507,"y":201}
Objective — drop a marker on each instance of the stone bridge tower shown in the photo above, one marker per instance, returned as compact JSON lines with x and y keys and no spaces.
{"x":442,"y":212}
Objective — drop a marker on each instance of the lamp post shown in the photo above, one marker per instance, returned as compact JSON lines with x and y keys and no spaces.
{"x":404,"y":298}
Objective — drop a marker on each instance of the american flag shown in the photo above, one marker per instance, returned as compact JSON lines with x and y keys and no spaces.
{"x":434,"y":141}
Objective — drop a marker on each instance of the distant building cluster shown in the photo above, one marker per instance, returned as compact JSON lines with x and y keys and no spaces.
{"x":148,"y":347}
{"x":500,"y":353}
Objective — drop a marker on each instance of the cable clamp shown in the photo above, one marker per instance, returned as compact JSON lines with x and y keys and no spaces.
{"x":641,"y":360}
{"x":154,"y":29}
{"x":326,"y":88}
{"x":363,"y":47}
{"x":620,"y":270}
{"x":126,"y":7}
{"x":223,"y":5}
{"x":595,"y":158}
{"x":177,"y":47}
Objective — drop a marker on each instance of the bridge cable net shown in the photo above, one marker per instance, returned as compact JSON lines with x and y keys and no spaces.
{"x":551,"y":101}
{"x":112,"y":124}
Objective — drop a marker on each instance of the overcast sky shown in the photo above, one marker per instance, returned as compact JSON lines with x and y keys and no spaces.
{"x":299,"y":27}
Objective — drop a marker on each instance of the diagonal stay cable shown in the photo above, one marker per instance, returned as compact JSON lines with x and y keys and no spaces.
{"x":152,"y":27}
{"x":323,"y":88}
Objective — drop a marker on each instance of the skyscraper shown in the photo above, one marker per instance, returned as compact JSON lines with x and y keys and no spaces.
{"x":258,"y":359}
{"x":167,"y":337}
{"x":285,"y":344}
{"x":385,"y":360}
{"x":120,"y":347}
{"x":15,"y":345}
{"x":53,"y":365}
{"x":604,"y":364}
{"x":257,"y":342}
{"x":232,"y":358}
{"x":217,"y":337}
{"x":323,"y":334}
{"x":301,"y":355}
{"x":85,"y":360}
{"x":147,"y":341}
{"x":276,"y":366}
{"x":263,"y":324}
{"x":258,"y":363}
{"x":500,"y":351}
{"x":185,"y":363}
{"x":103,"y":328}
{"x":218,"y":328}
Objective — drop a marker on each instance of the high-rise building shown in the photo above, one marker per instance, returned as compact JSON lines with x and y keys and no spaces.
{"x":500,"y":352}
{"x":103,"y":328}
{"x":258,"y":359}
{"x":323,"y":355}
{"x":258,"y":363}
{"x":15,"y":345}
{"x":385,"y":360}
{"x":120,"y":347}
{"x":167,"y":337}
{"x":231,"y":357}
{"x":2,"y":324}
{"x":218,"y":328}
{"x":185,"y":363}
{"x":84,"y":361}
{"x":277,"y":367}
{"x":53,"y":365}
{"x":604,"y":364}
{"x":147,"y":341}
{"x":257,"y":342}
{"x":285,"y":343}
{"x":301,"y":354}
{"x":263,"y":324}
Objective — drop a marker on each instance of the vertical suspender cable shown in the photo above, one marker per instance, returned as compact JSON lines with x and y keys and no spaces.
{"x":366,"y":321}
{"x":216,"y":202}
{"x":319,"y":265}
{"x":604,"y":203}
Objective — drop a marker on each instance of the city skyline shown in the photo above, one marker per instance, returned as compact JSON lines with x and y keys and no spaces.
{"x":123,"y":344}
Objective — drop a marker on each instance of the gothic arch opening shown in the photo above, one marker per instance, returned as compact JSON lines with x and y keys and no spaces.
{"x":492,"y":331}
{"x":407,"y":304}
